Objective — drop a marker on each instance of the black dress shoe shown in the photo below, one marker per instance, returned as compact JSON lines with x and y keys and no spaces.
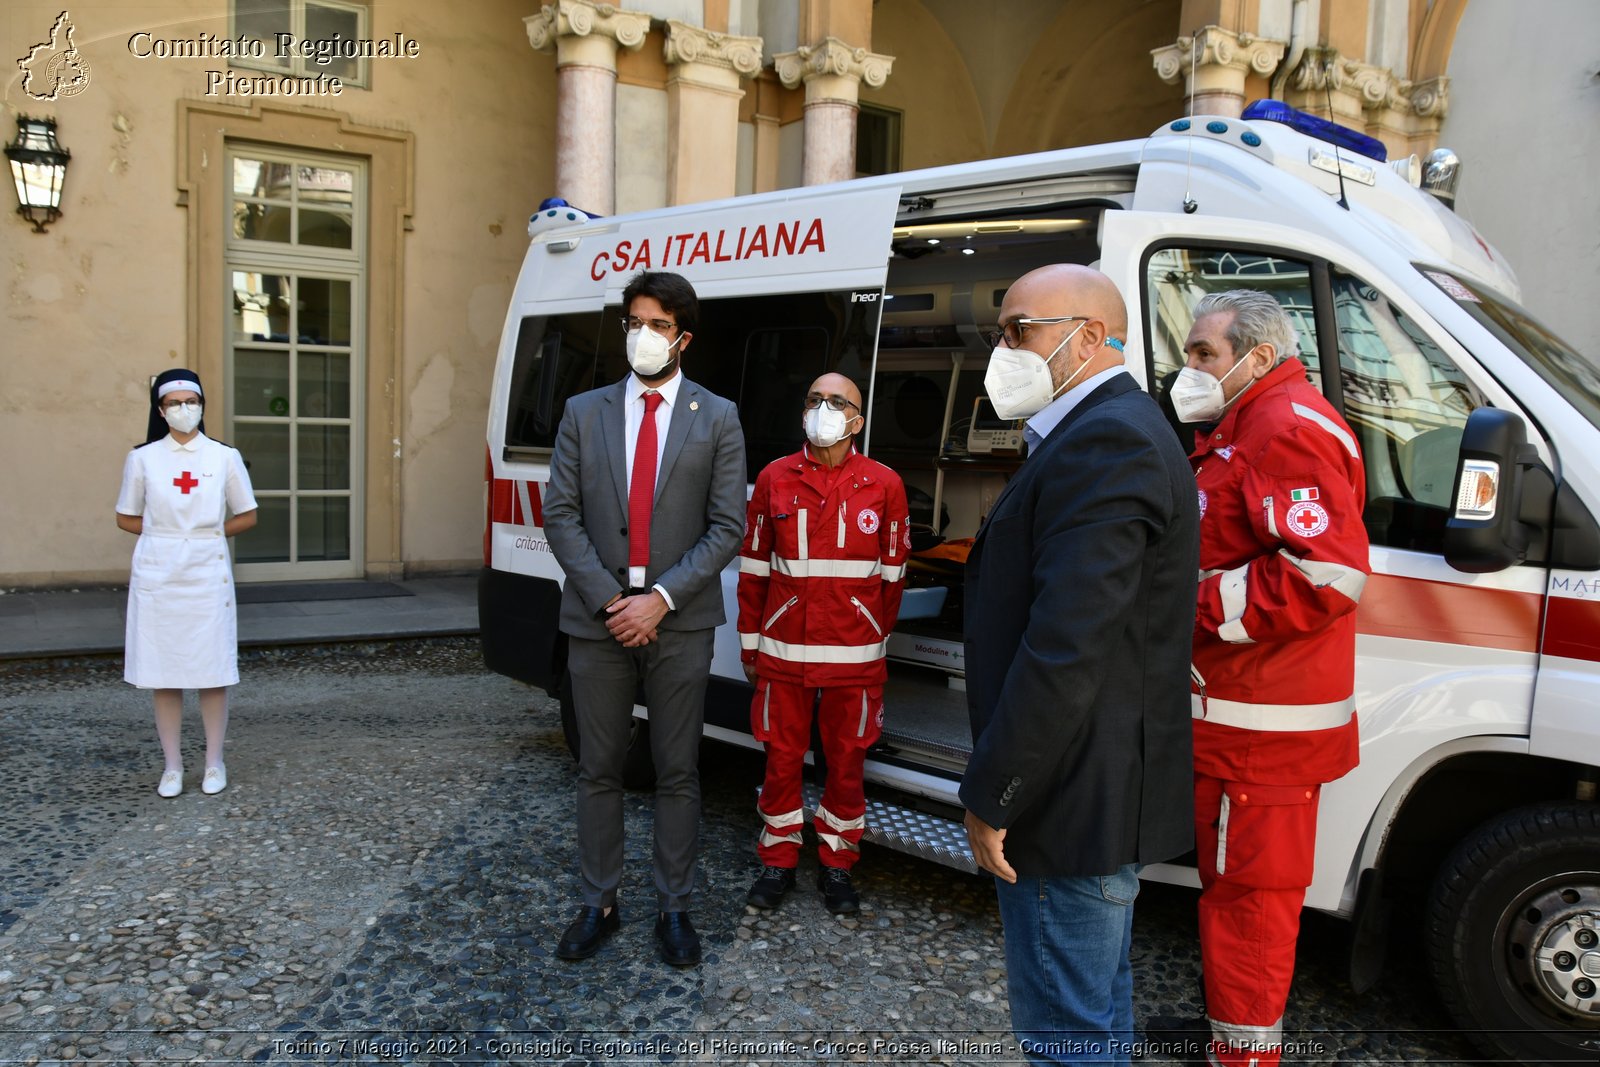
{"x":770,"y":887}
{"x":680,"y":945}
{"x":584,"y":937}
{"x":838,"y":895}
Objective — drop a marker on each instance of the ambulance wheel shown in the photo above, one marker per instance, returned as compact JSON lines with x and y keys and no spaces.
{"x":638,"y":769}
{"x":1513,"y":933}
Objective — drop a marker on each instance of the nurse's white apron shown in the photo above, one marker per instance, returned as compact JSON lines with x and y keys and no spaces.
{"x":182,"y":628}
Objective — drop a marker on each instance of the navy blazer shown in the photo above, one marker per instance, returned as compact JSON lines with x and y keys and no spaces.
{"x":1080,"y":604}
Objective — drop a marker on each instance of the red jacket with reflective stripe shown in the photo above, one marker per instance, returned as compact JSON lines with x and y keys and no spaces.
{"x":821,"y":570}
{"x":1283,"y":560}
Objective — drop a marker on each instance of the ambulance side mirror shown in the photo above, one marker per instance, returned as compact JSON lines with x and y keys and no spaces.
{"x":1508,"y":508}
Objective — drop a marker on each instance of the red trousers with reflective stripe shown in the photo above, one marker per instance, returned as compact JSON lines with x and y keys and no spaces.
{"x":1255,"y":845}
{"x":850,"y":718}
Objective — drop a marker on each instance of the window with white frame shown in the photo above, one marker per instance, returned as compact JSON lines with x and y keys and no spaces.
{"x":305,"y":22}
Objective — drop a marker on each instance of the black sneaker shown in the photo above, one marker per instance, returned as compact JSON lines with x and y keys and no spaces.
{"x":838,"y":895}
{"x":770,"y":887}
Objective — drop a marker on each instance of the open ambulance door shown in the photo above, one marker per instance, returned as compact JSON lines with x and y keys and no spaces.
{"x":790,"y":287}
{"x":789,"y":284}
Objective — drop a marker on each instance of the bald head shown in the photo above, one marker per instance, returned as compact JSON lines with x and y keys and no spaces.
{"x":838,"y":385}
{"x":1075,"y":349}
{"x":1070,"y":289}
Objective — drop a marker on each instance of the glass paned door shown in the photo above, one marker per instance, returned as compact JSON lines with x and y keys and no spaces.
{"x":294,"y":357}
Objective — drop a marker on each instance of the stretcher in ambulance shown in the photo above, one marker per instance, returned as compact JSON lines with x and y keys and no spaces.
{"x":1471,"y":825}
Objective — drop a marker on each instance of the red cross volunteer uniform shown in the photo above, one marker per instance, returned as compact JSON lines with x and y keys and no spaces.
{"x":1283,"y":559}
{"x":182,"y":624}
{"x":821,"y":572}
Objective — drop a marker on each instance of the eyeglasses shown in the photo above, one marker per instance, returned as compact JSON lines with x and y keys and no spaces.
{"x":168,"y":405}
{"x":1015,"y":332}
{"x":629,"y":324}
{"x":837,"y":403}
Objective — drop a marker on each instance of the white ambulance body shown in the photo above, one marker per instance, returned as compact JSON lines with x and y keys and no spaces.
{"x":1478,"y":680}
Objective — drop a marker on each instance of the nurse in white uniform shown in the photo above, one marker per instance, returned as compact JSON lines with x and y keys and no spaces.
{"x":183,"y":494}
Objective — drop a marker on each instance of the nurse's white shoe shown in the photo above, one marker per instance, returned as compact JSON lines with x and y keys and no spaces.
{"x":216,"y":779}
{"x":171,"y":784}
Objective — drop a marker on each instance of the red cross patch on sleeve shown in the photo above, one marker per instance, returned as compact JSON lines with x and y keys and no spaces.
{"x":1308,"y":519}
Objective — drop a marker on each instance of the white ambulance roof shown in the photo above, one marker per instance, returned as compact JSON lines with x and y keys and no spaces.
{"x":1257,"y":169}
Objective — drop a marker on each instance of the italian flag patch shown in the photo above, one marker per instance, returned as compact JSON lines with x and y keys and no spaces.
{"x":1297,"y":495}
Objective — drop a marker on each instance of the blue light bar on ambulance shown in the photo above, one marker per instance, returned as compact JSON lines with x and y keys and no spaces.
{"x":1320,"y":128}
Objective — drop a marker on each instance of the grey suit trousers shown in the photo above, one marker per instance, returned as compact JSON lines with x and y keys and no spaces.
{"x":674,"y":669}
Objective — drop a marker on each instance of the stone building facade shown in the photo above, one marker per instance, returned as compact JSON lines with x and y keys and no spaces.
{"x":336,"y":265}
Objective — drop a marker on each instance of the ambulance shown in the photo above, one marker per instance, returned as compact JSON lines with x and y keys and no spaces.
{"x":1470,"y":830}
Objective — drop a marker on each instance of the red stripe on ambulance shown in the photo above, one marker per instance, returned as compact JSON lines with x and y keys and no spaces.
{"x":512,"y":502}
{"x":1420,"y":610}
{"x":1572,"y":628}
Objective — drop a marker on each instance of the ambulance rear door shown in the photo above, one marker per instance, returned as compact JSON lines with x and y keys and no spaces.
{"x":786,"y":282}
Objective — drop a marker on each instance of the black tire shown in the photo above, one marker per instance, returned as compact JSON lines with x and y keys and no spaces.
{"x":638,"y":768}
{"x":1514,"y":924}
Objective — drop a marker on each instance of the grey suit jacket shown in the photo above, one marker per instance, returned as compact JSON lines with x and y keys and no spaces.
{"x":699,"y":507}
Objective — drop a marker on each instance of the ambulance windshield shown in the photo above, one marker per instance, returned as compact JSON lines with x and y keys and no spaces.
{"x":1566,"y":370}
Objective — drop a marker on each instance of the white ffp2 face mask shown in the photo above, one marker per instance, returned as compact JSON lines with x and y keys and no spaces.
{"x":648,"y":352}
{"x":826,"y":427}
{"x":1018,"y":381}
{"x":1197,"y":396}
{"x":183,"y":417}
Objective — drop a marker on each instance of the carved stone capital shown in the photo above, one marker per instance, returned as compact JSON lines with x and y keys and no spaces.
{"x":1430,"y":99}
{"x":1378,"y":87}
{"x":564,"y":20}
{"x":1237,"y":53}
{"x":691,"y":44}
{"x":832,"y":70}
{"x":1374,"y":89}
{"x":1319,"y":69}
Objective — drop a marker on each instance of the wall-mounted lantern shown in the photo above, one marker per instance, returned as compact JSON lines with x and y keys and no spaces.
{"x":39,"y":167}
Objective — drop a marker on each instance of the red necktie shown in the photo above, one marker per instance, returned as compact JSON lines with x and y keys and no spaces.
{"x":642,"y":486}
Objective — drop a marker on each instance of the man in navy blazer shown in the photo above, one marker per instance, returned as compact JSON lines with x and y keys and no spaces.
{"x":1080,"y":601}
{"x":644,"y":509}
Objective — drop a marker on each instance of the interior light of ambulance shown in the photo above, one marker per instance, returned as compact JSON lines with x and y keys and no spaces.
{"x":1480,"y":489}
{"x":932,"y":232}
{"x":1315,"y":126}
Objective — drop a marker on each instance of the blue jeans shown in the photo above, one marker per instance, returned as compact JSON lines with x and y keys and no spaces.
{"x":1067,"y":970}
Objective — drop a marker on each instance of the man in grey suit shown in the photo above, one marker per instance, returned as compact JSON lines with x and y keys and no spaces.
{"x":644,"y":509}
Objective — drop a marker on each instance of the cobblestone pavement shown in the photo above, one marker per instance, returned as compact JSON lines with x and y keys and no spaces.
{"x":387,"y":873}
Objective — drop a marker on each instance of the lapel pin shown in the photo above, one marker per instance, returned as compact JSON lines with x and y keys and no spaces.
{"x":694,"y":405}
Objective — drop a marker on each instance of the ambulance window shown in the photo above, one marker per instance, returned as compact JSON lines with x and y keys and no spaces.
{"x":1176,"y":279}
{"x":1407,"y":402}
{"x":556,"y":358}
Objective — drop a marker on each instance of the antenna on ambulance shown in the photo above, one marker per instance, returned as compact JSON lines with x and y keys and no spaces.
{"x":1338,"y":160}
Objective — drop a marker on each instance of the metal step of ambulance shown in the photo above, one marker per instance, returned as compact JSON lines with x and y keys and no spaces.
{"x":915,"y":833}
{"x":933,"y":752}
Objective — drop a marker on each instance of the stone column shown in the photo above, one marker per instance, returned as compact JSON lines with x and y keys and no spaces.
{"x":832,"y":72}
{"x":703,"y":94}
{"x":1216,"y":62}
{"x":585,"y":36}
